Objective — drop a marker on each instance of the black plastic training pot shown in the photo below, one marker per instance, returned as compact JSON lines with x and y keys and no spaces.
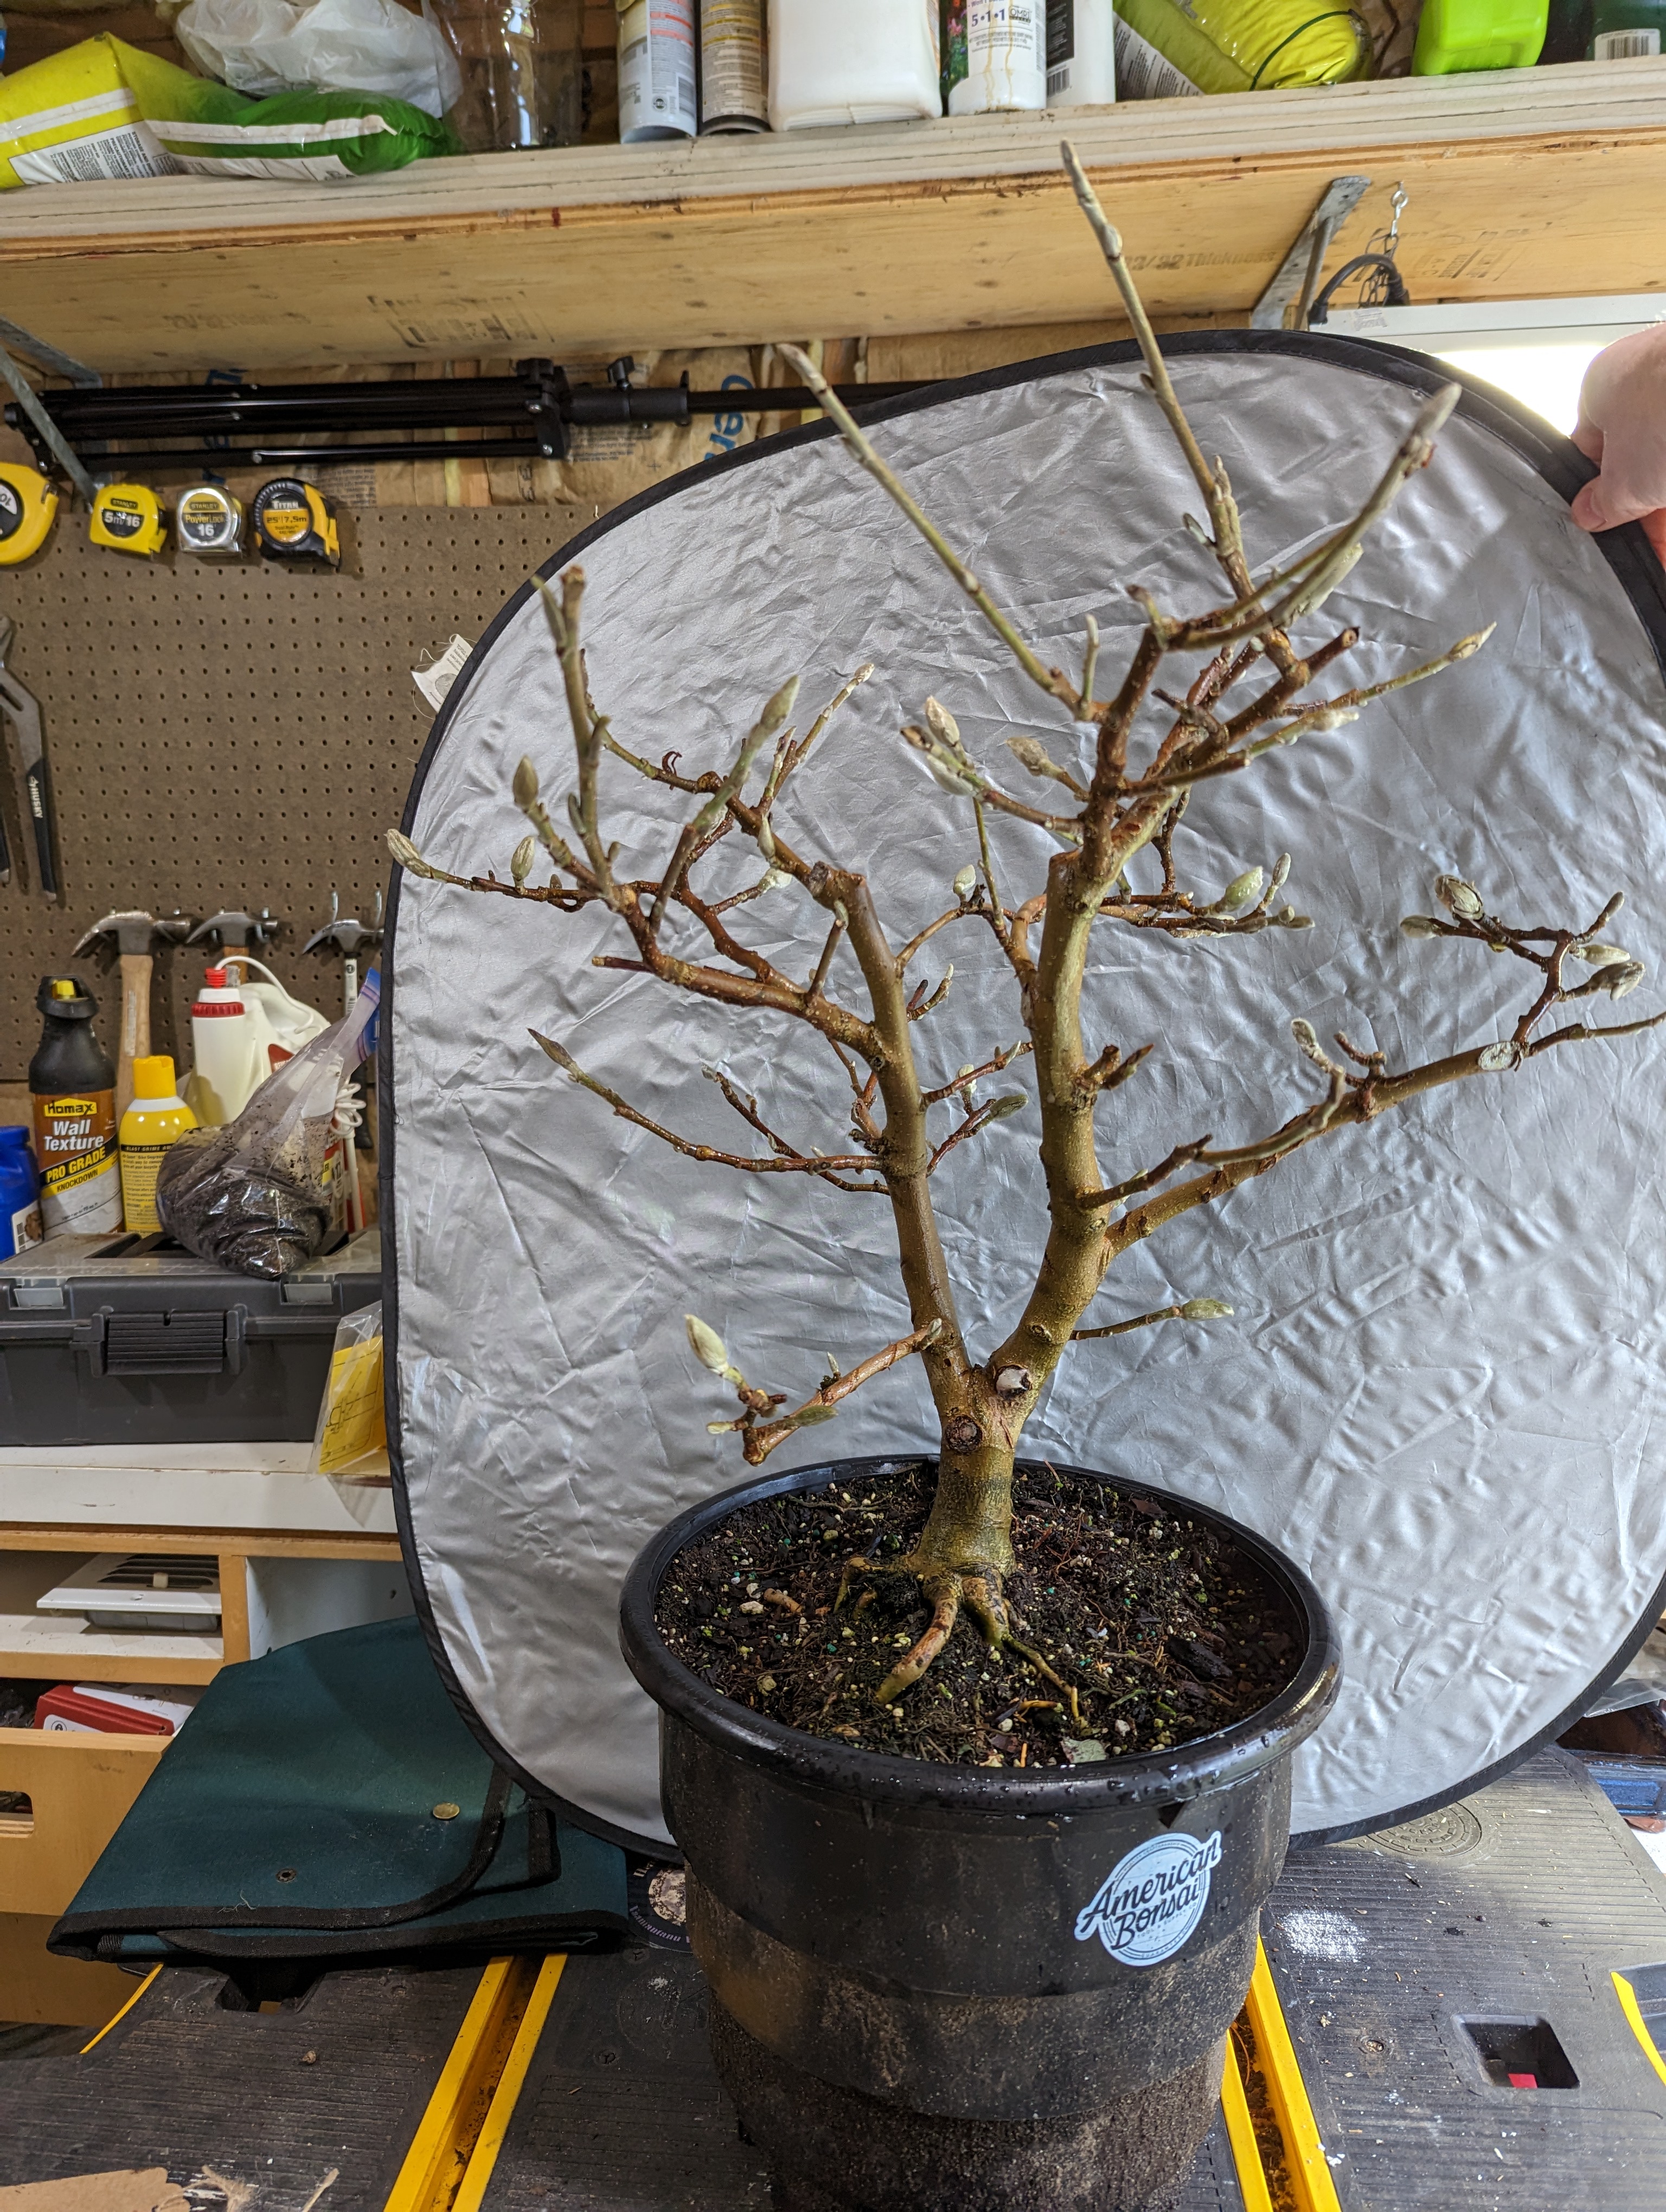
{"x":962,"y":1986}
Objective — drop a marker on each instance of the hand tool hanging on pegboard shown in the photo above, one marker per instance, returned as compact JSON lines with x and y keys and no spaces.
{"x":134,"y":934}
{"x":20,"y":707}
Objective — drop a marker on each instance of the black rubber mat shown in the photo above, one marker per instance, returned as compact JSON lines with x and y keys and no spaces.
{"x":230,"y":2102}
{"x":1418,"y":1969}
{"x":622,"y":2112}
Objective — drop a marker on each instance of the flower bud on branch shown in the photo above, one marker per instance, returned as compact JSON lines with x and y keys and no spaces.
{"x":1459,"y":898}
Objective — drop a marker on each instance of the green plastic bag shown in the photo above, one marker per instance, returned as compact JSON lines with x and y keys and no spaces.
{"x":217,"y":133}
{"x":1169,"y":47}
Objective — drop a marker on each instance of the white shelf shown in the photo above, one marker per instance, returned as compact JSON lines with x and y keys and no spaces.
{"x":27,"y":1639}
{"x":254,"y":1487}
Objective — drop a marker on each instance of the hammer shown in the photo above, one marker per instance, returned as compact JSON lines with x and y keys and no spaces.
{"x":133,"y":934}
{"x":348,"y":936}
{"x":237,"y":931}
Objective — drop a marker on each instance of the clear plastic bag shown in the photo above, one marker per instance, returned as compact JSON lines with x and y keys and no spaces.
{"x":267,"y":46}
{"x":265,"y":1192}
{"x":351,"y":1441}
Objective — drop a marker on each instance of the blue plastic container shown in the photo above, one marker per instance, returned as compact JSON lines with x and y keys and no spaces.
{"x":20,"y":1193}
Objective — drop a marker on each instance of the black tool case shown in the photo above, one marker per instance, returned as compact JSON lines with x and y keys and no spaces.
{"x":132,"y":1341}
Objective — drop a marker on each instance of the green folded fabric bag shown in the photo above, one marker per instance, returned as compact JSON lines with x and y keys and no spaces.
{"x":328,"y":1801}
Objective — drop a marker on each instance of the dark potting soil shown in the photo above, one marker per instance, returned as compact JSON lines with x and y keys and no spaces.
{"x":1163,"y":1629}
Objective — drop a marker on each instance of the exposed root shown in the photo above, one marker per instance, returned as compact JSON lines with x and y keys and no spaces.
{"x":982,"y":1595}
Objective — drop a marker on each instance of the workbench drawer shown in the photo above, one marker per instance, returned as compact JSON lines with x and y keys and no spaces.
{"x":79,"y":1787}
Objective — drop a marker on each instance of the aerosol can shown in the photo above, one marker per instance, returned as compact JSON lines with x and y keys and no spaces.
{"x":243,"y":1026}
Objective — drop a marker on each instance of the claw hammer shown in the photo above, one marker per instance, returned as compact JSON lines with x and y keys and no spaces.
{"x":133,"y":935}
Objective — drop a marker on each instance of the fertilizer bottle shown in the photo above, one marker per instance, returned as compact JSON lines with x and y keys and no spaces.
{"x":1081,"y":53}
{"x":1005,"y":58}
{"x":72,"y":1083}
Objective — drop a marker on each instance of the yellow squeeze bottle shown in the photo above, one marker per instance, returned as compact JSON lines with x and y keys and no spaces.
{"x":157,"y":1116}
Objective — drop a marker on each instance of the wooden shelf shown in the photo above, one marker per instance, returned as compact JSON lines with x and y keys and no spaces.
{"x":1524,"y":183}
{"x":229,"y":1489}
{"x":35,"y":1646}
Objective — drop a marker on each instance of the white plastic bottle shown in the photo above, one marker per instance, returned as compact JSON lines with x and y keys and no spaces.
{"x":241,"y":1027}
{"x":1005,"y":58}
{"x":223,"y":1052}
{"x":1081,"y":53}
{"x":852,"y":61}
{"x":656,"y":70}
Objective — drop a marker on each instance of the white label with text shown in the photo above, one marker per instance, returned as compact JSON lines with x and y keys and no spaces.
{"x":1152,"y":1900}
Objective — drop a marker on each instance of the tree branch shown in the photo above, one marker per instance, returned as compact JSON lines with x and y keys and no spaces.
{"x":1192,"y":1309}
{"x":816,"y":1163}
{"x":1050,"y":680}
{"x":757,"y":1443}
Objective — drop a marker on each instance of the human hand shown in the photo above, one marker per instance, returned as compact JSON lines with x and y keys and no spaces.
{"x":1622,"y":428}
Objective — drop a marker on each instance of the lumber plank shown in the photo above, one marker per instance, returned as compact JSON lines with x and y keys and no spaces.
{"x":1522,"y":184}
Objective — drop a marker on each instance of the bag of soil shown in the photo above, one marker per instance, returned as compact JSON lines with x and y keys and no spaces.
{"x":265,"y":1194}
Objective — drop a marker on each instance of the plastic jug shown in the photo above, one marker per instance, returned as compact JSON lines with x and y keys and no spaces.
{"x":1455,"y":35}
{"x":20,"y":1193}
{"x":852,"y":61}
{"x":241,"y":1027}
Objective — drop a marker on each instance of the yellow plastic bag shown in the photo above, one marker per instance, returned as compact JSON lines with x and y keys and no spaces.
{"x":73,"y":119}
{"x":351,"y":1439}
{"x":1170,"y":47}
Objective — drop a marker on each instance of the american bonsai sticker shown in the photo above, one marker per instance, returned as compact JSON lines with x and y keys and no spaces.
{"x":1152,"y":1899}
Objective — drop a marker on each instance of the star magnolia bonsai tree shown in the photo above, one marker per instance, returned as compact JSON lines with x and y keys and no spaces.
{"x":906,"y":1124}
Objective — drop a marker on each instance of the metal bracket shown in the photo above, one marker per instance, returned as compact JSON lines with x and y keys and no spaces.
{"x":45,"y":429}
{"x":52,"y":358}
{"x":1300,"y":269}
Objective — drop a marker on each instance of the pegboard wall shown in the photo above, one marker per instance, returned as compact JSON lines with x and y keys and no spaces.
{"x":232,"y":735}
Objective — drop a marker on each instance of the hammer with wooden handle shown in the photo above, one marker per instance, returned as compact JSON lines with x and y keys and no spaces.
{"x":133,"y":934}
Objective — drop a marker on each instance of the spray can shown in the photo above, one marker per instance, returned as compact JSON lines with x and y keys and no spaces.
{"x":734,"y":79}
{"x":1005,"y":58}
{"x":157,"y":1116}
{"x":72,"y":1085}
{"x":656,"y":70}
{"x":1081,"y":53}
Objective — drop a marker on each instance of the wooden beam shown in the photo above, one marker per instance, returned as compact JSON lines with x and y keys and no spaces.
{"x":85,"y":1537}
{"x":1522,"y":184}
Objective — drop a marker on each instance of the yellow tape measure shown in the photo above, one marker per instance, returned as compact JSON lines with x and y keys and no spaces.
{"x":28,"y":505}
{"x":128,"y":518}
{"x":294,"y":521}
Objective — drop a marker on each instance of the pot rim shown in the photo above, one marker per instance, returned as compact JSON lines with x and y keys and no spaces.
{"x":1210,"y":1762}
